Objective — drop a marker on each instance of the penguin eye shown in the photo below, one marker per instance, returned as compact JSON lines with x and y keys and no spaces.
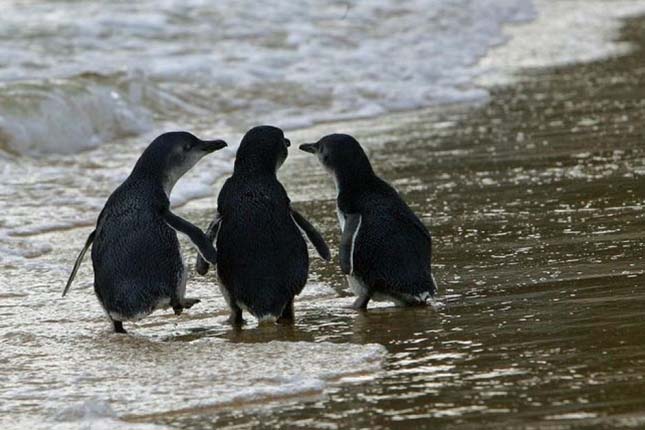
{"x":187,"y":146}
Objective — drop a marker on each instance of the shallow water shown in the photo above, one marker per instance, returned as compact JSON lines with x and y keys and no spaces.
{"x":539,"y":255}
{"x":538,"y":227}
{"x":536,"y":205}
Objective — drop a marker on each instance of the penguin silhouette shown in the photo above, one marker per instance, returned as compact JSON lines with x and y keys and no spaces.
{"x":137,"y":261}
{"x":263,"y":261}
{"x":385,"y":249}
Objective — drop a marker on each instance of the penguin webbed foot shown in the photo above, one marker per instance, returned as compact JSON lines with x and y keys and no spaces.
{"x":360,"y":304}
{"x":235,"y":319}
{"x":288,"y":315}
{"x":189,"y":302}
{"x":118,"y":327}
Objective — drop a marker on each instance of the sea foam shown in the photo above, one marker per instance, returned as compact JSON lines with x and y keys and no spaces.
{"x":143,"y":377}
{"x":121,"y":65}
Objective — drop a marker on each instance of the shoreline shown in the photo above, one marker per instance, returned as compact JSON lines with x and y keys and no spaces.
{"x":535,"y":207}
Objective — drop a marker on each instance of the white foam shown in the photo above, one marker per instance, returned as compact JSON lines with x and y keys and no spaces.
{"x":300,"y":63}
{"x":143,"y":377}
{"x":67,"y":117}
{"x":565,"y":32}
{"x":95,"y":414}
{"x":199,"y":62}
{"x":198,"y":183}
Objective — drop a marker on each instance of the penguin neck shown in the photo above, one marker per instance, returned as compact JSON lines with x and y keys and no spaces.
{"x":155,"y":177}
{"x":168,"y":182}
{"x":254,"y":169}
{"x":352,"y":182}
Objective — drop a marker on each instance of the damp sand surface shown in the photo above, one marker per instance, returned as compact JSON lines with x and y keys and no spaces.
{"x":536,"y":202}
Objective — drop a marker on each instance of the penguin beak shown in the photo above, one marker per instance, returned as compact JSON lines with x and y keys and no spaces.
{"x":309,"y":147}
{"x":211,"y":145}
{"x":287,"y":142}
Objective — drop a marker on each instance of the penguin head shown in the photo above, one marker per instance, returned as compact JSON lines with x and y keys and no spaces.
{"x":342,"y":156}
{"x":172,"y":154}
{"x":263,"y":150}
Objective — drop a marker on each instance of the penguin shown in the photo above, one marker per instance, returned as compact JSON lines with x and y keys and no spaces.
{"x":385,"y":250}
{"x":137,"y":261}
{"x":262,"y":261}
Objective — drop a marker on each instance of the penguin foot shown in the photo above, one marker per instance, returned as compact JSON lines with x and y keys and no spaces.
{"x":287,"y":316}
{"x":118,"y":327}
{"x":360,"y":304}
{"x":189,"y":302}
{"x":236,"y":320}
{"x":186,"y":303}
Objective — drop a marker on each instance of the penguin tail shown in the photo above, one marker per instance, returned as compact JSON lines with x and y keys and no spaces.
{"x":79,"y":259}
{"x":420,"y":293}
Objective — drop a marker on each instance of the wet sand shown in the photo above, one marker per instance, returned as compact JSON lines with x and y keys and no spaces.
{"x":536,"y":202}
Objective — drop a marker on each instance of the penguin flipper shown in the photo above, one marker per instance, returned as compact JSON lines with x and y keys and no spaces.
{"x":196,"y":236}
{"x":79,"y":259}
{"x":314,"y":235}
{"x":347,"y":240}
{"x":201,"y":265}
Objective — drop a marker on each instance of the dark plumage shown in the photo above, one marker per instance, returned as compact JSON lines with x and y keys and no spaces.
{"x":385,"y":249}
{"x":135,"y":253}
{"x":262,"y":257}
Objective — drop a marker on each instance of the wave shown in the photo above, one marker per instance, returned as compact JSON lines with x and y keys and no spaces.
{"x":70,"y":115}
{"x":126,"y":66}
